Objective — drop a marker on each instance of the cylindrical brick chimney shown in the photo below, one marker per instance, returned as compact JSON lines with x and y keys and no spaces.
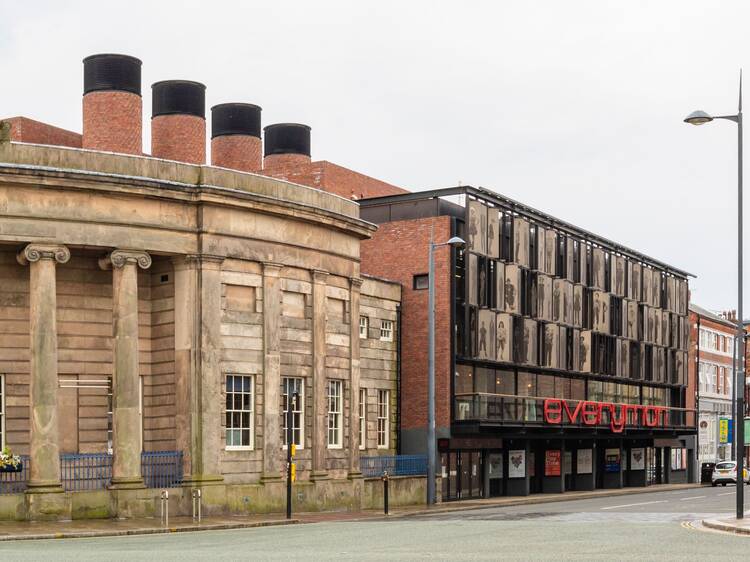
{"x":286,"y":144}
{"x":235,"y":137}
{"x":178,"y":121}
{"x":112,"y":105}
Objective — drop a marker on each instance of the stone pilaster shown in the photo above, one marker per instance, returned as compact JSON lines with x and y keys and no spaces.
{"x":320,"y":406}
{"x":126,"y":417}
{"x":198,"y":377}
{"x":272,"y":453}
{"x":45,"y":447}
{"x":355,"y":286}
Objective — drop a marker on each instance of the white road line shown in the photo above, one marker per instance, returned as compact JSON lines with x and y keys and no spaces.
{"x":692,"y":498}
{"x":726,"y":494}
{"x":633,"y":504}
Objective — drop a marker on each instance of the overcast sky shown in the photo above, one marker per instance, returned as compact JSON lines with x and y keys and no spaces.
{"x":572,"y":107}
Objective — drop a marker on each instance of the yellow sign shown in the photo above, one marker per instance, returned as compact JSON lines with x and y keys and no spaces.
{"x":723,"y":430}
{"x":294,"y":471}
{"x":294,"y":449}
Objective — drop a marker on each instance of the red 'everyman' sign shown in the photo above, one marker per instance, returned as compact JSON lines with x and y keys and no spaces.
{"x":590,"y":413}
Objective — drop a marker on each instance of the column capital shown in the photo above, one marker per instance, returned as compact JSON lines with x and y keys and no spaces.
{"x":35,"y":252}
{"x":356,"y":282}
{"x":193,"y":261}
{"x":319,"y":276}
{"x":271,"y":269}
{"x":119,"y":258}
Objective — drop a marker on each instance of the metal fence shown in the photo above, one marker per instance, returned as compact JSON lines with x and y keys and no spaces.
{"x":161,"y":469}
{"x":400,"y":465}
{"x":15,"y":482}
{"x":85,"y":471}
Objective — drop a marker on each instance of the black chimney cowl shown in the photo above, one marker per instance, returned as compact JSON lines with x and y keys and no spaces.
{"x":112,"y":72}
{"x":286,"y":138}
{"x":178,"y":97}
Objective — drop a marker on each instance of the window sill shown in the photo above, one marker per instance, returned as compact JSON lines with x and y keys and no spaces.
{"x":244,"y":448}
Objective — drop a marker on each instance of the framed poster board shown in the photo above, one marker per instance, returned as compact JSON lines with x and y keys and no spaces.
{"x":517,"y":464}
{"x":638,"y":459}
{"x":495,"y":465}
{"x":584,"y":461}
{"x":553,"y":462}
{"x":611,"y":460}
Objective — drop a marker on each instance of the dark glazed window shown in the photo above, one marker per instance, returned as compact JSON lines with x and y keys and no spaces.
{"x":421,"y":281}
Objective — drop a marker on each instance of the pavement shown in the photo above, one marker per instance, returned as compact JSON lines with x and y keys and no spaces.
{"x":15,"y":530}
{"x":661,"y":524}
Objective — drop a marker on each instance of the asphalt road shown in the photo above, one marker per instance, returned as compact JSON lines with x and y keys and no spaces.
{"x":649,"y":526}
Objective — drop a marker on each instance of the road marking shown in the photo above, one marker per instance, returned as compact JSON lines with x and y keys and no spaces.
{"x":692,"y":498}
{"x":633,"y":504}
{"x":726,"y":494}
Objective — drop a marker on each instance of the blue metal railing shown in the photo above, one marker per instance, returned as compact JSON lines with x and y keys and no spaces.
{"x":85,"y":471}
{"x":161,"y":469}
{"x":15,"y":482}
{"x":400,"y":465}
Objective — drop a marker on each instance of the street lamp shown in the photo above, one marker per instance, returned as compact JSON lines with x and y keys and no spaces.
{"x":700,"y":118}
{"x":454,"y":242}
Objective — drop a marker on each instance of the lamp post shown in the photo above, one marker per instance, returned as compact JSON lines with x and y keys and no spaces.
{"x":455,"y":242}
{"x":700,"y":118}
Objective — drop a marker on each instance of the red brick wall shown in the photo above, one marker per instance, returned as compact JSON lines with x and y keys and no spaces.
{"x":398,"y":251}
{"x":113,"y":121}
{"x":179,"y":137}
{"x":285,"y":163}
{"x":237,"y":152}
{"x":705,"y":355}
{"x":329,"y":177}
{"x":23,"y":129}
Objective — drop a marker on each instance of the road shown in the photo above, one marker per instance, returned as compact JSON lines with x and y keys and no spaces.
{"x":650,"y":526}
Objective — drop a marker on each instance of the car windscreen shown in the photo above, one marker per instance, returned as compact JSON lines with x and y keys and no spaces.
{"x":725,"y":466}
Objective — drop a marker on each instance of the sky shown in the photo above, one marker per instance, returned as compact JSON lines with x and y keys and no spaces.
{"x":574,"y":108}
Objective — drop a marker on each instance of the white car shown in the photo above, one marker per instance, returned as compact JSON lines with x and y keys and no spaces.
{"x":726,"y":473}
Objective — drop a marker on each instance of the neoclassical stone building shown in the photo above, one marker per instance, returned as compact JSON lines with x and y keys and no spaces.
{"x":151,"y":305}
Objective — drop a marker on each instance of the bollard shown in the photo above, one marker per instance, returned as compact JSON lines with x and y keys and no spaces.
{"x":385,"y":492}
{"x":197,"y":505}
{"x":165,"y":508}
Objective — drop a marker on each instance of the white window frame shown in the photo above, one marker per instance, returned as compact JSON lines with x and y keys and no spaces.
{"x":364,"y":327}
{"x":386,"y":330}
{"x":362,"y":419}
{"x":384,"y":411}
{"x":335,"y":417}
{"x":251,"y":412}
{"x":300,"y":410}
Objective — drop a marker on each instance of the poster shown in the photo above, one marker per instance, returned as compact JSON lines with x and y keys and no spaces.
{"x":517,"y":464}
{"x":637,"y":459}
{"x":584,"y":465}
{"x":611,"y":460}
{"x":725,"y":430}
{"x":552,"y":462}
{"x":568,"y":462}
{"x":496,"y":465}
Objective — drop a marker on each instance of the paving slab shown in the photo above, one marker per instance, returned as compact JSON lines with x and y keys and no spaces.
{"x":730,"y":525}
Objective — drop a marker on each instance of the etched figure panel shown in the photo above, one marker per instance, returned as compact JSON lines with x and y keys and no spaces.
{"x":529,"y":344}
{"x":624,"y":357}
{"x":683,"y":296}
{"x":557,"y":298}
{"x":632,"y":320}
{"x":486,"y":334}
{"x":550,"y":346}
{"x":656,"y":288}
{"x":671,"y":294}
{"x":550,"y":248}
{"x":512,"y":288}
{"x":584,"y":351}
{"x":493,"y":233}
{"x":646,"y":295}
{"x":674,"y":331}
{"x":577,"y":305}
{"x":503,"y":337}
{"x":583,"y":263}
{"x":653,"y":329}
{"x":569,"y":259}
{"x":575,"y":360}
{"x":541,"y":253}
{"x":617,"y":272}
{"x":499,"y":285}
{"x":477,"y":227}
{"x":635,"y":281}
{"x":598,"y":269}
{"x":544,"y":296}
{"x":472,"y":280}
{"x":562,"y":346}
{"x":521,"y":242}
{"x":665,"y":325}
{"x":567,"y":302}
{"x":600,"y":312}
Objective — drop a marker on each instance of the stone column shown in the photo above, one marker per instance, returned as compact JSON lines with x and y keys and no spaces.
{"x":355,"y":286}
{"x":126,"y":418}
{"x":45,"y":447}
{"x":272,"y":453}
{"x":319,"y":398}
{"x":198,"y":377}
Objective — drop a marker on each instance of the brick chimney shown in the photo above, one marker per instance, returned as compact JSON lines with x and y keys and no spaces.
{"x":112,"y":104}
{"x":178,"y":121}
{"x":286,"y":144}
{"x":235,"y":137}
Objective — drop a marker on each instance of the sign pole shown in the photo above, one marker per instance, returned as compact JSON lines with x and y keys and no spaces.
{"x":291,"y":405}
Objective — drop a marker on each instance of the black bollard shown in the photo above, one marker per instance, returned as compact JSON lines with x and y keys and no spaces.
{"x":385,"y":492}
